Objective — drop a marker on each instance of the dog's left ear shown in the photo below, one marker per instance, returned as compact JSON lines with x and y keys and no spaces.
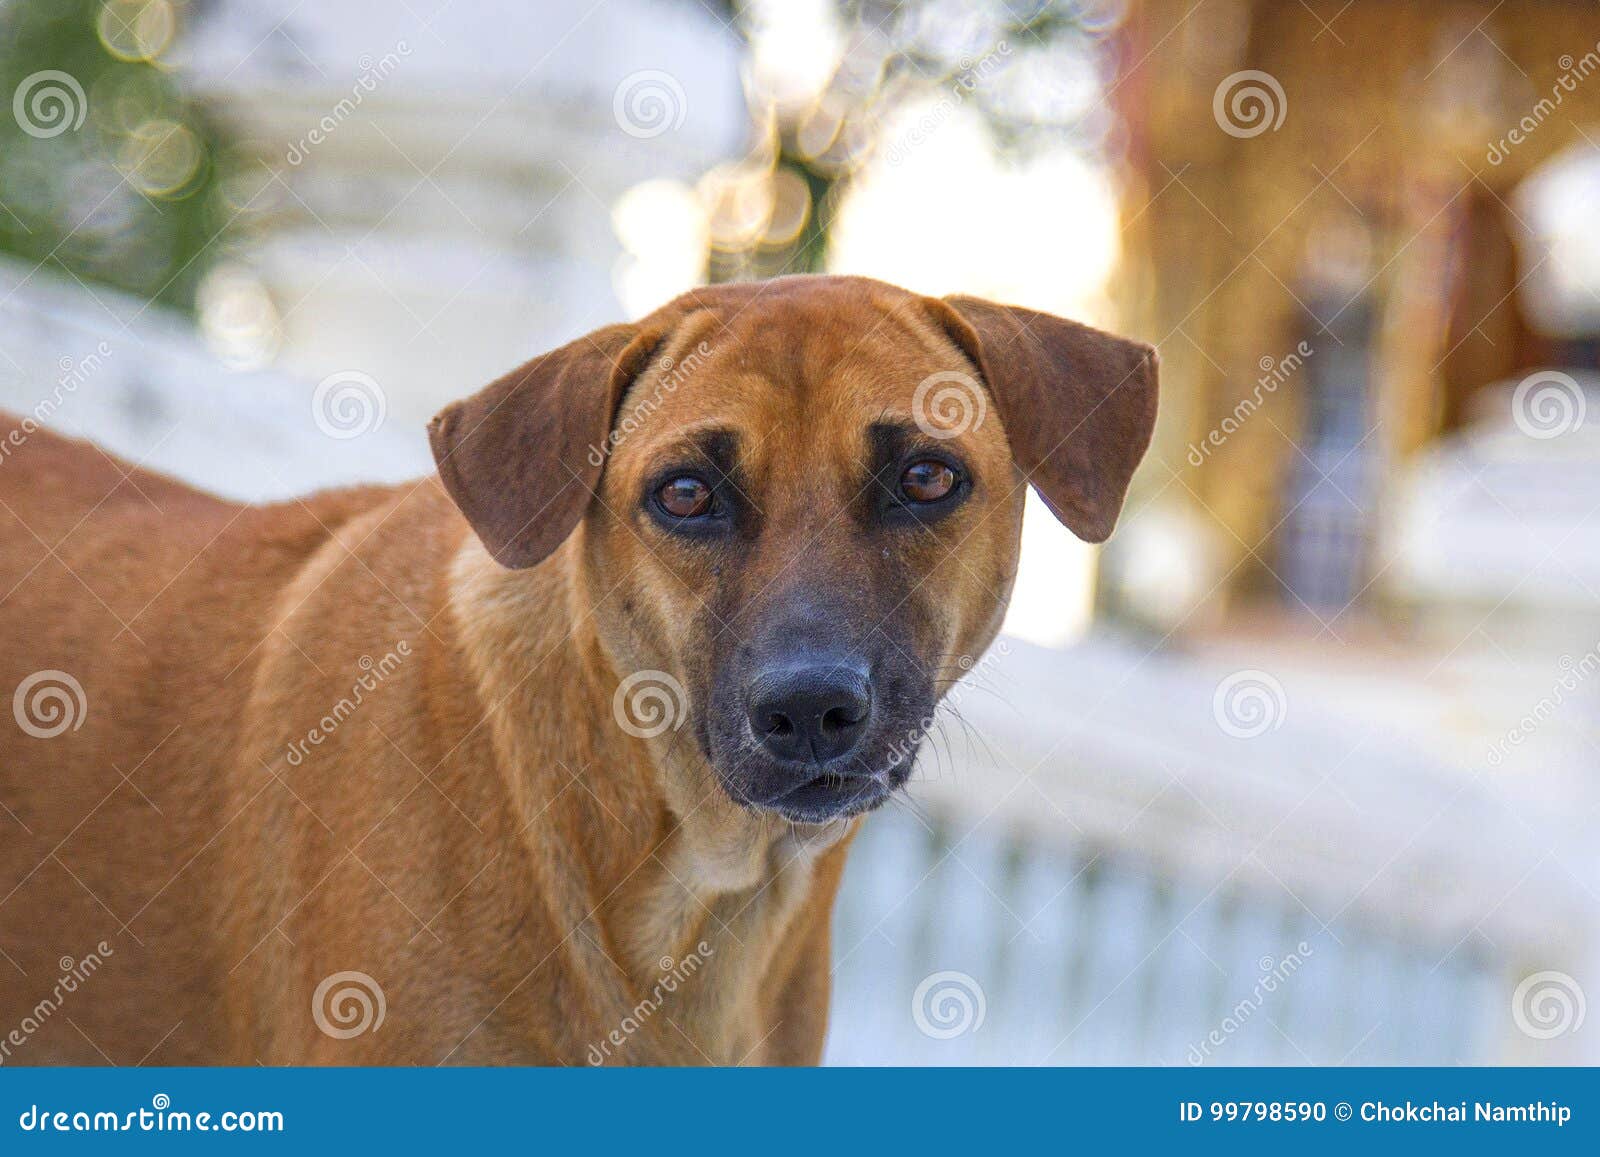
{"x":1079,"y":405}
{"x":521,"y":458}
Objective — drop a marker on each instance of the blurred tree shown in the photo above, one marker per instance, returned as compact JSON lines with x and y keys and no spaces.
{"x":107,"y":171}
{"x":1031,"y":68}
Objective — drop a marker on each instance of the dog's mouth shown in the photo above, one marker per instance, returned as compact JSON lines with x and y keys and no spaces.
{"x":818,"y":794}
{"x":830,"y":796}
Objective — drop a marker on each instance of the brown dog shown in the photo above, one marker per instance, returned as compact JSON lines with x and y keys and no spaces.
{"x":554,"y":762}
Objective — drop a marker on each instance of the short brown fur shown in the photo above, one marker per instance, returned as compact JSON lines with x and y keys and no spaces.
{"x":514,"y":870}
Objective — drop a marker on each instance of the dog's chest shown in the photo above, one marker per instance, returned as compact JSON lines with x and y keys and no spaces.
{"x":707,"y":931}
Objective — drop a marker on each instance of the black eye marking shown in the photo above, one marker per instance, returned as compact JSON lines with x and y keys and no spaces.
{"x":915,"y":482}
{"x":695,"y":494}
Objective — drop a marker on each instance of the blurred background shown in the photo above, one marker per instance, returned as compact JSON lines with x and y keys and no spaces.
{"x":1301,"y":766}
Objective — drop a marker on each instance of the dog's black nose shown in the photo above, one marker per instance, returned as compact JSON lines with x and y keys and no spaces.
{"x":810,"y":713}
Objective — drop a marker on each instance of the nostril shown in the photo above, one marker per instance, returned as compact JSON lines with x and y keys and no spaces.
{"x":837,"y":719}
{"x":779,"y":725}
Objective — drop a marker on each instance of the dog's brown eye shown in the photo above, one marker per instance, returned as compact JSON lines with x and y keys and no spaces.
{"x":685,"y":497}
{"x":927,"y":481}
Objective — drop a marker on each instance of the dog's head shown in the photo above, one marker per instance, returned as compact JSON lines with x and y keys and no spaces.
{"x":797,"y":506}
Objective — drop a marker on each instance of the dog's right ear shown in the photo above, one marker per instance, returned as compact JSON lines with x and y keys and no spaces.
{"x":522,"y":457}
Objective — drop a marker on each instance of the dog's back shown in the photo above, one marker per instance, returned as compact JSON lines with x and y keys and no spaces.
{"x":130,"y":609}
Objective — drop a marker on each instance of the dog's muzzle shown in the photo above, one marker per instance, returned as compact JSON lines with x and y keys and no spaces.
{"x":807,"y":721}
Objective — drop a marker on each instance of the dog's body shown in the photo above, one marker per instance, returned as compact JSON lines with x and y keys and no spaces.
{"x":524,"y":926}
{"x":338,"y":737}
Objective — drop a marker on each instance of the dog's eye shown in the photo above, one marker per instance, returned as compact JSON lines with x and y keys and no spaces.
{"x":927,"y":481}
{"x":685,"y":497}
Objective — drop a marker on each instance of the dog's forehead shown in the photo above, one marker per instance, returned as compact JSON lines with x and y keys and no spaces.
{"x":849,"y":353}
{"x":790,"y":380}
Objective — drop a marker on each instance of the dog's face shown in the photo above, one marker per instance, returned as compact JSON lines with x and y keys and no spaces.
{"x":791,"y":543}
{"x":800,"y":505}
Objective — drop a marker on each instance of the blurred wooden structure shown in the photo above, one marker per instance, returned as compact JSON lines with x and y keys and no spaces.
{"x":1386,"y":192}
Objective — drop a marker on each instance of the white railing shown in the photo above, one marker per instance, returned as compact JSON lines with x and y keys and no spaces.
{"x":1084,"y":955}
{"x":1125,"y":881}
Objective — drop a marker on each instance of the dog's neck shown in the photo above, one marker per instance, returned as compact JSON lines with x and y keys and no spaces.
{"x":675,"y":869}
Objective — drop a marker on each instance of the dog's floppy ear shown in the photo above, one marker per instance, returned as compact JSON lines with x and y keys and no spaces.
{"x":522,"y":456}
{"x":1079,"y":405}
